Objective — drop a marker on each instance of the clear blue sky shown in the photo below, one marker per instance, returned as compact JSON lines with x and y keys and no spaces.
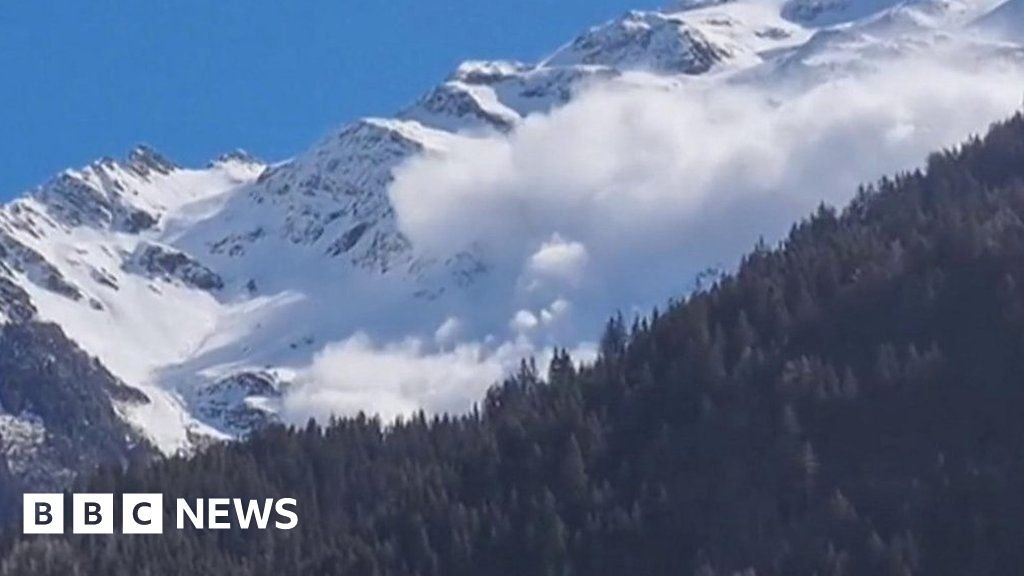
{"x":200,"y":77}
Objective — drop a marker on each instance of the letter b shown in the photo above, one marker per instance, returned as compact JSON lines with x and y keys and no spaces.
{"x":43,"y":514}
{"x":93,"y":514}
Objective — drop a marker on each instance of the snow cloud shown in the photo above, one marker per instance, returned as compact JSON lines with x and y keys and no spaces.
{"x":619,"y":199}
{"x":392,"y":379}
{"x":557,"y":260}
{"x":448,"y":331}
{"x":396,"y":379}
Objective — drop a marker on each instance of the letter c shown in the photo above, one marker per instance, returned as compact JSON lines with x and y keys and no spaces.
{"x":137,"y":518}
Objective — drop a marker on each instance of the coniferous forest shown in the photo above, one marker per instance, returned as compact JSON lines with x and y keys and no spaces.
{"x":849,"y":402}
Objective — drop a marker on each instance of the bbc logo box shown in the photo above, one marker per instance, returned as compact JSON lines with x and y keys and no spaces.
{"x":92,"y":514}
{"x":43,"y":514}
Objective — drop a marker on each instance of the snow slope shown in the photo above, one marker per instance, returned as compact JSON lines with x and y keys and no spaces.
{"x":1006,"y":20}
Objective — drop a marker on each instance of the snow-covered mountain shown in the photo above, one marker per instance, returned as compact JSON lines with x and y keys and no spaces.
{"x":204,"y":293}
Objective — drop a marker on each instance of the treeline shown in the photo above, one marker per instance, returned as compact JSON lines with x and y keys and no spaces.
{"x":850,"y":402}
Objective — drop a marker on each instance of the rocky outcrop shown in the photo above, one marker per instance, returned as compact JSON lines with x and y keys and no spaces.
{"x":649,"y":41}
{"x":171,"y":265}
{"x":58,"y":405}
{"x":237,"y":404}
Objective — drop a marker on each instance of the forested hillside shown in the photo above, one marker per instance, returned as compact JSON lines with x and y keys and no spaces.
{"x":847,"y":403}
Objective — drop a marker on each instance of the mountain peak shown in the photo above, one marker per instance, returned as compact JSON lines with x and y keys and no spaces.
{"x":236,"y":156}
{"x":145,"y":159}
{"x":488,"y":71}
{"x":639,"y":40}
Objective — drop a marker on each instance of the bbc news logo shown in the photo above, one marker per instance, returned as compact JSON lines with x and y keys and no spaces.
{"x":144,"y":513}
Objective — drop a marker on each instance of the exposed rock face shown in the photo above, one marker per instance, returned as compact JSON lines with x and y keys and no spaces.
{"x":58,"y":405}
{"x":170,"y":265}
{"x":15,"y":305}
{"x":18,"y":257}
{"x":335,"y":196}
{"x":100,"y":197}
{"x":238,"y":403}
{"x":644,"y":41}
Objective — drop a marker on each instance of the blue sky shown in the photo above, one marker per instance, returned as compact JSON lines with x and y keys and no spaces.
{"x":196,"y":78}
